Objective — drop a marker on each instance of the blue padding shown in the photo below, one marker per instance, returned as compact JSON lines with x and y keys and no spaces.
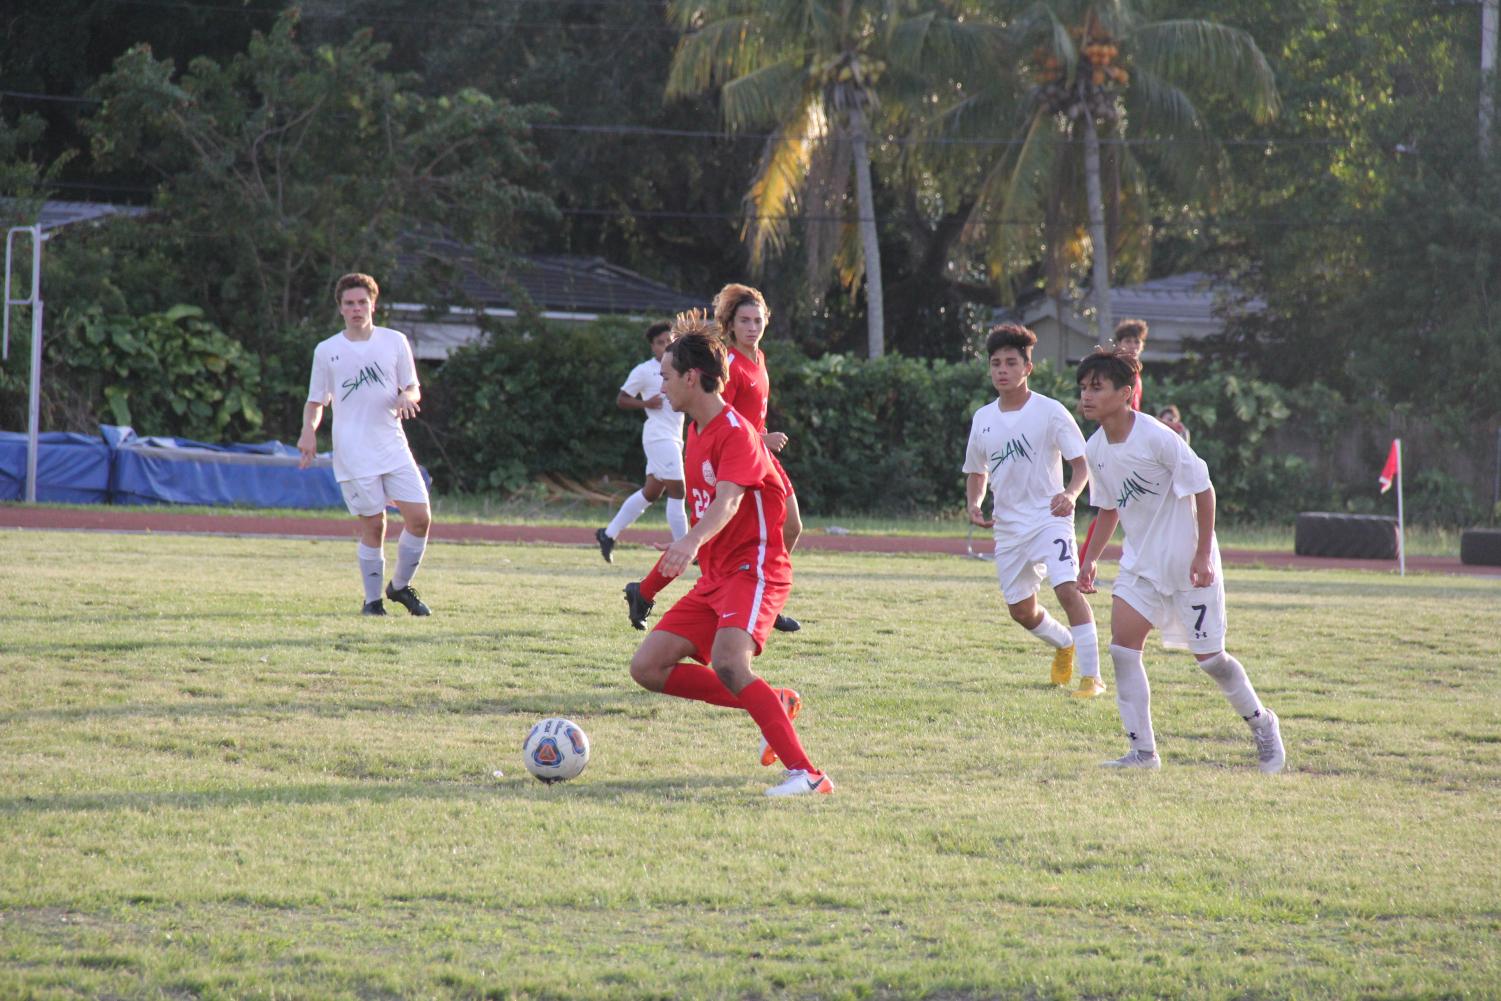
{"x":70,"y":468}
{"x":121,"y":468}
{"x":179,"y":471}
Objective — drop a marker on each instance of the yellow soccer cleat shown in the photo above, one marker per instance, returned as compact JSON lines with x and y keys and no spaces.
{"x":1063,"y":666}
{"x":1089,"y":688}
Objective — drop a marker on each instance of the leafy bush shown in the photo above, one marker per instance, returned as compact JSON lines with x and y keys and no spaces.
{"x":884,"y":436}
{"x":169,"y":373}
{"x":533,"y":398}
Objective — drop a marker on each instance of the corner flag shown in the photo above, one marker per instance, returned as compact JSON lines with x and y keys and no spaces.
{"x":1392,"y":469}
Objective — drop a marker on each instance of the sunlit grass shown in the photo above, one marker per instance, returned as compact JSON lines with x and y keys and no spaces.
{"x":217,"y":780}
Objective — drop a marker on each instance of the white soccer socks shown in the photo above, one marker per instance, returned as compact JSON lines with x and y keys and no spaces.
{"x":1133,"y":697}
{"x":409,"y":550}
{"x":634,"y":507}
{"x":1231,"y":677}
{"x":1086,"y":650}
{"x":1052,"y":632}
{"x":677,"y":518}
{"x":372,"y":569}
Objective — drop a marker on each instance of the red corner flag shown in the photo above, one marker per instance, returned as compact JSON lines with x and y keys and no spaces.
{"x":1389,"y":471}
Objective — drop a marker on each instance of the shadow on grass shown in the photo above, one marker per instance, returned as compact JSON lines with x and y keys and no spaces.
{"x":520,"y":788}
{"x":624,"y":701}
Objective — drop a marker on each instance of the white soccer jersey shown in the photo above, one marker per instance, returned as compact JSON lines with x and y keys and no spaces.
{"x":1149,"y":480}
{"x":360,"y":379}
{"x":1023,"y":452}
{"x":663,"y":423}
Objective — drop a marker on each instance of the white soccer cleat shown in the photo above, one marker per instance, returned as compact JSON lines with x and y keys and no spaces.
{"x":1268,"y":733}
{"x":1135,"y":759}
{"x":798,"y":782}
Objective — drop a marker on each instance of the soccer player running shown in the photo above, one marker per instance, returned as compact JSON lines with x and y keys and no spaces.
{"x":367,"y":374}
{"x":1147,"y":479}
{"x":661,"y":440}
{"x":1019,"y":444}
{"x":703,"y":647}
{"x":742,"y":315}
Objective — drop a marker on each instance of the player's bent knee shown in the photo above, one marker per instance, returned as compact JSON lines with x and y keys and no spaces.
{"x":734,"y":675}
{"x":649,"y":672}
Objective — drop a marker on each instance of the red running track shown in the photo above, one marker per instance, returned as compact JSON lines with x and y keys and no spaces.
{"x":105,"y":519}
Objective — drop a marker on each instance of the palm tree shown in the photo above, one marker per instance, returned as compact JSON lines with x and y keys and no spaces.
{"x":1101,"y":74}
{"x":813,"y":72}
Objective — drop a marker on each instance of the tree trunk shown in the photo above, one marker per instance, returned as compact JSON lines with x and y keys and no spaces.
{"x":1104,"y":322}
{"x":875,"y":312}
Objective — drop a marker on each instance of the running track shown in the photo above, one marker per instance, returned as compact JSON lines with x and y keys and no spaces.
{"x":104,"y":519}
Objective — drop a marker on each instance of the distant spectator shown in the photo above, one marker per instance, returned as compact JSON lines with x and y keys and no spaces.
{"x":1169,"y":415}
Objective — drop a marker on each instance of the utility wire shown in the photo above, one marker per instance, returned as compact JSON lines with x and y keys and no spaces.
{"x":652,"y":131}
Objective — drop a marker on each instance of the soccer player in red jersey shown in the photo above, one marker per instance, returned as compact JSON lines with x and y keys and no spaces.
{"x":703,"y":647}
{"x":742,"y":315}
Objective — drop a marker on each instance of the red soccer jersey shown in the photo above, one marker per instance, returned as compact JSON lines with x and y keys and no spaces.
{"x":1136,"y":392}
{"x":729,"y":450}
{"x":748,"y":387}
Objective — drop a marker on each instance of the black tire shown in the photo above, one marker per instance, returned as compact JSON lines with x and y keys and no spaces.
{"x":1480,"y":547}
{"x":1357,"y":536}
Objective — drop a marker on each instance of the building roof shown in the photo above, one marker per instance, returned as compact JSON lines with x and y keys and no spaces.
{"x":562,"y":283}
{"x":56,"y":214}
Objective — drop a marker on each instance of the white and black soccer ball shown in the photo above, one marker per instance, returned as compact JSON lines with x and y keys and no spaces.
{"x":556,"y":750}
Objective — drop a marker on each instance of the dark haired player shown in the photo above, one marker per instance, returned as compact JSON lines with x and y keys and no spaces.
{"x":1018,"y":444}
{"x":703,"y":647}
{"x":661,"y":440}
{"x":1145,"y":477}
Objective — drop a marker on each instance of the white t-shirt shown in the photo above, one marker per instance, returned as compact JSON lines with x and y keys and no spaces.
{"x":663,"y":423}
{"x":1023,"y":452}
{"x":361,"y":379}
{"x":1149,"y":480}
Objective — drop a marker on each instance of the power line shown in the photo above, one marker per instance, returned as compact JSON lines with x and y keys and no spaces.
{"x":313,"y":15}
{"x":652,"y":131}
{"x":686,"y":215}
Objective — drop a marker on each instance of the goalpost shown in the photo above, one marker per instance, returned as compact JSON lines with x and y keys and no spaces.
{"x":34,"y":300}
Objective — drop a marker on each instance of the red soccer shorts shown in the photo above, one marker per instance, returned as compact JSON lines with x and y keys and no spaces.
{"x":741,"y":600}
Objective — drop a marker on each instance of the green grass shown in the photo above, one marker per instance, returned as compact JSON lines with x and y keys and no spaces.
{"x":216,"y":781}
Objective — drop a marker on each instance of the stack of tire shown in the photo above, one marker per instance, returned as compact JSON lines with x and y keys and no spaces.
{"x":1354,"y":536}
{"x":1480,"y":547}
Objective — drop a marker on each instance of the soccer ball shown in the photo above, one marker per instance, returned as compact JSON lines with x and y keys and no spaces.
{"x":556,"y":750}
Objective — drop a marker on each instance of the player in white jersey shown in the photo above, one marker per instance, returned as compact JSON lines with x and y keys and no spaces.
{"x":1147,"y":479}
{"x":661,"y":440}
{"x":367,"y":374}
{"x":1019,"y":444}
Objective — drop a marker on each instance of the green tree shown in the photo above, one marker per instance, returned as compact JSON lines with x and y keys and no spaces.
{"x":290,"y":164}
{"x":814,"y":73}
{"x":1101,"y":74}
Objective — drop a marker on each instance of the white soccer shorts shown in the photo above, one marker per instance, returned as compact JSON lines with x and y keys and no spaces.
{"x":370,"y":495}
{"x":1021,"y":565}
{"x":1194,"y":617}
{"x":664,"y":459}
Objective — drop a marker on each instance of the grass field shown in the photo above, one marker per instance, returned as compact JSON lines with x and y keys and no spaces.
{"x":216,"y":781}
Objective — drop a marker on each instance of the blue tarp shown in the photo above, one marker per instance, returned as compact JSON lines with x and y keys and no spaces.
{"x":70,"y":468}
{"x":121,"y":468}
{"x":180,"y":471}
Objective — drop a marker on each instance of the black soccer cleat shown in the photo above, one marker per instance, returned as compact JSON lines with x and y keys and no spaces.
{"x":376,"y":607}
{"x":786,"y":624}
{"x":606,"y":544}
{"x":408,"y":599}
{"x":637,"y":607}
